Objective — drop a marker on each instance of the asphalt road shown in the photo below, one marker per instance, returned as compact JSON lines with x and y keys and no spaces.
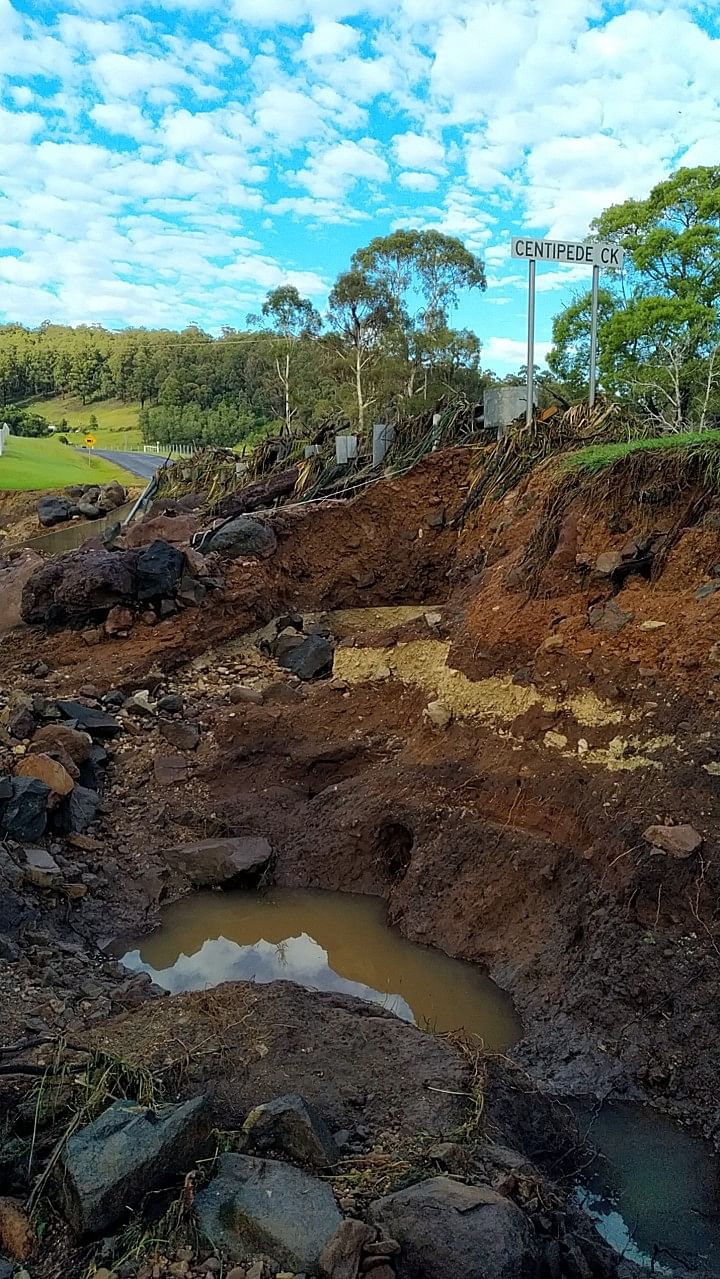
{"x":143,"y":464}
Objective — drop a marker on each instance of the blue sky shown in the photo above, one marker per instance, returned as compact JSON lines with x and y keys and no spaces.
{"x":166,"y":166}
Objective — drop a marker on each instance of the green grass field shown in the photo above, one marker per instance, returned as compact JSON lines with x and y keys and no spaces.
{"x":47,"y":464}
{"x":117,"y":423}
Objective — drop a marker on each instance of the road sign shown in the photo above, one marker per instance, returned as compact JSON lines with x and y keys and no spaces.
{"x":595,"y":253}
{"x":89,"y":441}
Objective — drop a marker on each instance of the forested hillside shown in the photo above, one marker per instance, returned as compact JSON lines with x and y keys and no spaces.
{"x":385,"y":344}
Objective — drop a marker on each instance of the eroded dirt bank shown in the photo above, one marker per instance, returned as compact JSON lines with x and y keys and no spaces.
{"x":576,"y":673}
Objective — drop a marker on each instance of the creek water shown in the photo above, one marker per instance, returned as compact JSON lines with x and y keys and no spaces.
{"x":324,"y":941}
{"x":77,"y":533}
{"x":652,"y":1191}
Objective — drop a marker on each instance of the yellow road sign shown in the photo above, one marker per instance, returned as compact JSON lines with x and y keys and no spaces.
{"x":89,"y":441}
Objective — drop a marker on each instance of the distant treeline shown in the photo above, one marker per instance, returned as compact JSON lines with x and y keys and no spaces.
{"x":384,"y":346}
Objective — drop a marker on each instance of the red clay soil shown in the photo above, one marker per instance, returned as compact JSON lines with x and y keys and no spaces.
{"x":482,"y":839}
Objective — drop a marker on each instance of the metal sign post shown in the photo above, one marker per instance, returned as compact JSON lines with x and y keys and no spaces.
{"x":531,"y":344}
{"x":596,"y":253}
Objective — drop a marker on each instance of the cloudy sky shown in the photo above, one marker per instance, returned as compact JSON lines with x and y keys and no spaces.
{"x":163,"y":166}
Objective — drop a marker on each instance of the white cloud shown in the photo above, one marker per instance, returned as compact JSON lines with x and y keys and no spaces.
{"x":417,"y":151}
{"x":334,"y":171}
{"x":418,"y":181}
{"x":511,"y":352}
{"x":328,"y":40}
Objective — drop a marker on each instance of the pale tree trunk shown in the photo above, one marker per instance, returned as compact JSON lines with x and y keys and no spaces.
{"x":359,"y":389}
{"x":284,"y":376}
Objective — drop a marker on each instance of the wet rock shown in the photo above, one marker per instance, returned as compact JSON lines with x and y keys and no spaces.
{"x":78,"y":584}
{"x":159,"y":569}
{"x":242,"y":536}
{"x":608,"y":618}
{"x":54,"y":510}
{"x":163,"y":528}
{"x":254,"y":1204}
{"x":183,"y":736}
{"x":447,"y":1228}
{"x":170,"y":769}
{"x":677,"y":841}
{"x":41,"y":870}
{"x":47,"y":770}
{"x":286,"y":642}
{"x":437,"y":714}
{"x":243,"y":693}
{"x":291,"y":1126}
{"x":312,"y":658}
{"x":220,"y":861}
{"x":96,"y":722}
{"x":119,"y":621}
{"x":340,"y":1258}
{"x":17,"y":1233}
{"x":109,"y":1167}
{"x":24,"y":816}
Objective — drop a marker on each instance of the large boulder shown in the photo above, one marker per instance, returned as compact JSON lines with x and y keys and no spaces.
{"x":95,"y":722}
{"x":260,"y":1205}
{"x":54,"y":510}
{"x":292,"y":1127}
{"x":446,"y":1228}
{"x":51,"y":772}
{"x":78,"y":584}
{"x":220,"y":861}
{"x":242,"y":536}
{"x":13,"y":577}
{"x":109,"y":1167}
{"x":113,"y":495}
{"x":159,"y":570}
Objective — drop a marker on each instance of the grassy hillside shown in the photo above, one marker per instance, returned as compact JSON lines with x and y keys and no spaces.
{"x":48,"y":464}
{"x":117,"y":423}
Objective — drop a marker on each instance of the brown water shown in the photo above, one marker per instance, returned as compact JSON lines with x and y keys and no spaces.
{"x":77,"y":533}
{"x":323,"y":941}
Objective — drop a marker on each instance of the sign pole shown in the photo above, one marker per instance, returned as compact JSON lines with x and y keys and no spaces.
{"x":530,"y":343}
{"x":593,"y":335}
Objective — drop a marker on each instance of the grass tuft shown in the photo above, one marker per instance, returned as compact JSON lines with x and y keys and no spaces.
{"x":701,"y":446}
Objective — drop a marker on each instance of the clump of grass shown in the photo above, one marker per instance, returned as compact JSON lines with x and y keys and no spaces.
{"x":700,"y":448}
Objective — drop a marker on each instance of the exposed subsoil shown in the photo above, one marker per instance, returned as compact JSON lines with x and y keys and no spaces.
{"x":513,"y":837}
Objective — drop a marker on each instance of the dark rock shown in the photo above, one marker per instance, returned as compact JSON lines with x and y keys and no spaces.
{"x":289,"y":621}
{"x":79,"y":583}
{"x":41,"y":869}
{"x":260,"y":494}
{"x":53,"y":510}
{"x":81,"y":808}
{"x":171,"y":704}
{"x":96,"y":722}
{"x":704,"y":592}
{"x":243,"y":693}
{"x":220,"y":861}
{"x":6,"y":788}
{"x":240,"y":537}
{"x":311,"y":659}
{"x":159,"y":569}
{"x":114,"y":698}
{"x":446,"y":1228}
{"x":185,"y":737}
{"x":286,"y":642}
{"x":261,"y":1205}
{"x":341,"y":1256}
{"x":110,"y":1166}
{"x":89,"y":510}
{"x":24,"y":815}
{"x":191,"y":592}
{"x":608,"y":618}
{"x":114,"y":495}
{"x":170,"y":769}
{"x":22,"y":723}
{"x":7,"y":1269}
{"x":291,"y":1126}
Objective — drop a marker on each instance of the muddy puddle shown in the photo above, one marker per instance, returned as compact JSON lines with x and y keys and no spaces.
{"x":323,"y":941}
{"x":654,"y":1192}
{"x":77,"y":533}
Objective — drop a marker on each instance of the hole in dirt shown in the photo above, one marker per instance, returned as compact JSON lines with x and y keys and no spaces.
{"x":395,"y":844}
{"x":323,"y":941}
